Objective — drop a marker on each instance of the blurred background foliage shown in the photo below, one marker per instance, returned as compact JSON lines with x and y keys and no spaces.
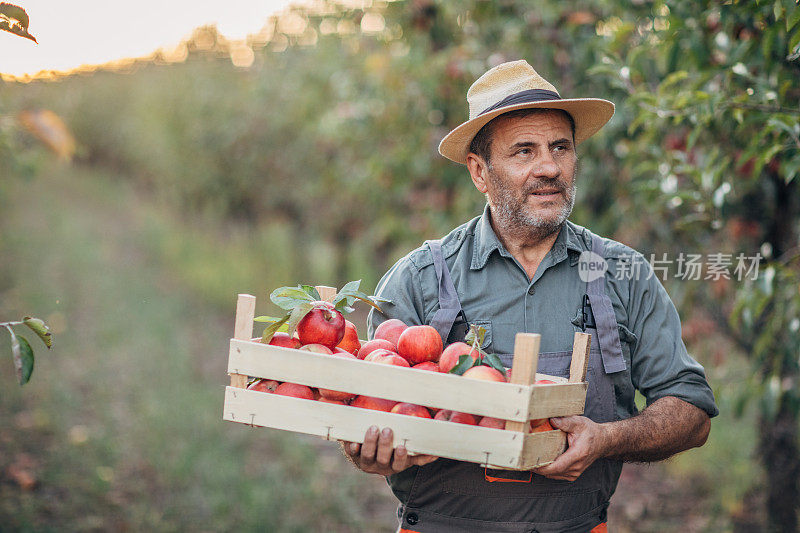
{"x":308,"y":154}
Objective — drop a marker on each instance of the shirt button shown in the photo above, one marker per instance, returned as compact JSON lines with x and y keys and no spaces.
{"x":531,"y":290}
{"x":412,"y":518}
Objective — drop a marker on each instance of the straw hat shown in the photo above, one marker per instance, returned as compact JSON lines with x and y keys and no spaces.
{"x":515,"y":85}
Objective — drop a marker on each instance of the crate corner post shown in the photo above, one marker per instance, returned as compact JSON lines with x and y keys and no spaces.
{"x":523,"y":371}
{"x":580,"y":357}
{"x":243,"y":330}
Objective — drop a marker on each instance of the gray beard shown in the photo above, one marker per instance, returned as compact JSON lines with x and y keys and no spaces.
{"x":508,"y":213}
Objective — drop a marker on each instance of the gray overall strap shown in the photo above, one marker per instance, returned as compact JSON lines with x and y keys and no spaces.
{"x":449,"y":304}
{"x":604,"y":317}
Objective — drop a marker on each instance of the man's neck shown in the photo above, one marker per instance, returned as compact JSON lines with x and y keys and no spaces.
{"x":528,"y":249}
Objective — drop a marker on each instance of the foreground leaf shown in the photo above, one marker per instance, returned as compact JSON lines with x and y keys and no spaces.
{"x":465,"y":362}
{"x":493,"y":361}
{"x":290,"y":297}
{"x":297,"y":315}
{"x":270,"y":330}
{"x":40,"y":328}
{"x":14,"y":19}
{"x":23,"y":357}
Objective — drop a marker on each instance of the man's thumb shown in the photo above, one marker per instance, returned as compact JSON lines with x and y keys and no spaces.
{"x":564,"y":423}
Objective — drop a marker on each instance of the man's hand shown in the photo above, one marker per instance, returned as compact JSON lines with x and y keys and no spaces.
{"x":586,"y":443}
{"x":378,"y":456}
{"x":667,"y":426}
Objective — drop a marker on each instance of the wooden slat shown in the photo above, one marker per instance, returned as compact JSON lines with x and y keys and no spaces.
{"x":435,"y":437}
{"x":326,"y":293}
{"x":580,"y":357}
{"x":526,"y":359}
{"x":432,"y":389}
{"x":540,"y":449}
{"x":557,"y":400}
{"x":243,"y":329}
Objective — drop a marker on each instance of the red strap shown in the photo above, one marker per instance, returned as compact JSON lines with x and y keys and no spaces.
{"x":600,"y":528}
{"x":492,"y":479}
{"x":406,"y":531}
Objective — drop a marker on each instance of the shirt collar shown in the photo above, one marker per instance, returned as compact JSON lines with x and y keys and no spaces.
{"x":486,"y":242}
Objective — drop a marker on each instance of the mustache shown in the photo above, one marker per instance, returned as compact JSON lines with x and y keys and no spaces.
{"x":536,"y":187}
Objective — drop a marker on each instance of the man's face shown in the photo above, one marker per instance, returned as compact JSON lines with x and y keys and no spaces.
{"x":530,"y":179}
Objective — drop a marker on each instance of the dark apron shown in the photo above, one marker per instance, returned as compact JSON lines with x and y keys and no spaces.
{"x":453,"y":496}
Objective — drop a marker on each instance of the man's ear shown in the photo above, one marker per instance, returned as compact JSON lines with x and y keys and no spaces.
{"x":478,"y":170}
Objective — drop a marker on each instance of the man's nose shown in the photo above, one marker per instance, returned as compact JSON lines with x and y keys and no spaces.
{"x":546,"y":167}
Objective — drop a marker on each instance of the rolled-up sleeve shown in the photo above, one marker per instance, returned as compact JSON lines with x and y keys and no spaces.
{"x":661,"y":365}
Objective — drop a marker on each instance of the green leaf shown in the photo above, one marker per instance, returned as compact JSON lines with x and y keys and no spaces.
{"x":273,"y":328}
{"x":297,"y":315}
{"x":267,"y":318}
{"x":289,"y":297}
{"x":475,"y":336}
{"x":311,"y":291}
{"x":40,"y":328}
{"x":15,"y":20}
{"x":465,"y":362}
{"x":493,"y":361}
{"x":23,"y":357}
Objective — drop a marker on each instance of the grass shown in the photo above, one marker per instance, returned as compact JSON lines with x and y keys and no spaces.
{"x":121,"y":423}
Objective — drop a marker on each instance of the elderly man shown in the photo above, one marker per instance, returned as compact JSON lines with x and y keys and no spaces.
{"x":517,"y":267}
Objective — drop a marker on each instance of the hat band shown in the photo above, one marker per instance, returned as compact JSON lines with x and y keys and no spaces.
{"x":523,"y":97}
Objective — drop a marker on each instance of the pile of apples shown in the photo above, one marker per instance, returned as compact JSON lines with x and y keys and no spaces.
{"x":324,"y":330}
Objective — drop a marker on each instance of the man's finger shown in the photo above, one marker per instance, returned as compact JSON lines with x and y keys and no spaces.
{"x":384,"y":454}
{"x":370,"y":445}
{"x":565,"y":423}
{"x":401,"y":459}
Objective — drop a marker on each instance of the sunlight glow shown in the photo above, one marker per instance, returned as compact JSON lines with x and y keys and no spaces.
{"x":85,"y":33}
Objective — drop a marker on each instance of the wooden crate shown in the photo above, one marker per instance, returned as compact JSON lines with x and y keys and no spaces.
{"x":517,"y":402}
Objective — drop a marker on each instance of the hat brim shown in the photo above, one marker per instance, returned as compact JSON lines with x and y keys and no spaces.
{"x":589,"y":114}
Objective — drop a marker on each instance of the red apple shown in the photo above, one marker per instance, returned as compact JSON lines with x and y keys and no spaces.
{"x":350,"y":340}
{"x":376,"y":354}
{"x":284,"y":339}
{"x":370,"y":402}
{"x":375,"y":344}
{"x":338,"y":395}
{"x":264,"y":385}
{"x":296,"y":390}
{"x":390,"y":330}
{"x":391,"y":359}
{"x":489,"y":422}
{"x":322,"y":325}
{"x":544,"y":426}
{"x":411,"y":409}
{"x":427,"y":365}
{"x":452,"y":353}
{"x":326,"y":400}
{"x":456,"y":416}
{"x":317,"y":348}
{"x":544,"y":382}
{"x":484,"y":372}
{"x":418,"y":344}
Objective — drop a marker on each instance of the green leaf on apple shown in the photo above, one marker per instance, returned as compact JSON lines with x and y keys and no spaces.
{"x":270,"y":330}
{"x":493,"y":361}
{"x":465,"y":362}
{"x":268,"y":318}
{"x":290,"y":297}
{"x":475,"y":336}
{"x":311,"y":291}
{"x":297,"y":315}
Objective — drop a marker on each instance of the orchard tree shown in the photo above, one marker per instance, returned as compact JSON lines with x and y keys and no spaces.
{"x":712,"y":109}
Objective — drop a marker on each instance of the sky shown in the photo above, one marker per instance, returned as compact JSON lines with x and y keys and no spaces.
{"x":77,"y":32}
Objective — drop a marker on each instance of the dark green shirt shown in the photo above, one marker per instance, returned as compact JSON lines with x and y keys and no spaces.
{"x":496,"y":293}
